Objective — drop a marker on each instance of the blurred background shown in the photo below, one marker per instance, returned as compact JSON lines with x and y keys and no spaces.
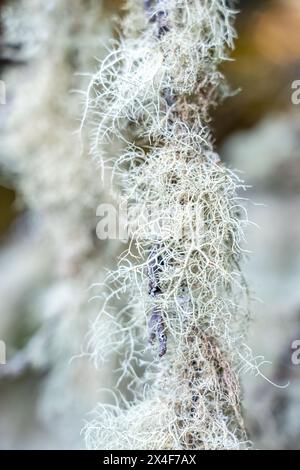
{"x":50,"y":256}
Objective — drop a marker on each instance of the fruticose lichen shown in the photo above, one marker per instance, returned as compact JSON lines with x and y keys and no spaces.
{"x":154,"y":91}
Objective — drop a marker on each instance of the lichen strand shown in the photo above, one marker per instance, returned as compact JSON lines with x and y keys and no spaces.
{"x":56,"y":181}
{"x":163,"y":85}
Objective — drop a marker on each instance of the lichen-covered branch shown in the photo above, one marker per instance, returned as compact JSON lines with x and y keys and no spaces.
{"x":155,"y":92}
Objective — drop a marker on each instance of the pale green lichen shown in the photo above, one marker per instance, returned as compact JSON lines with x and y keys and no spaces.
{"x":155,"y":90}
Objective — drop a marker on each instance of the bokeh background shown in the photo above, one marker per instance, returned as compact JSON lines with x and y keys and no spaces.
{"x":49,"y":255}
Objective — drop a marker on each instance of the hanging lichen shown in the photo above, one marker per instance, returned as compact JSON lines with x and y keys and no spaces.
{"x":154,"y":91}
